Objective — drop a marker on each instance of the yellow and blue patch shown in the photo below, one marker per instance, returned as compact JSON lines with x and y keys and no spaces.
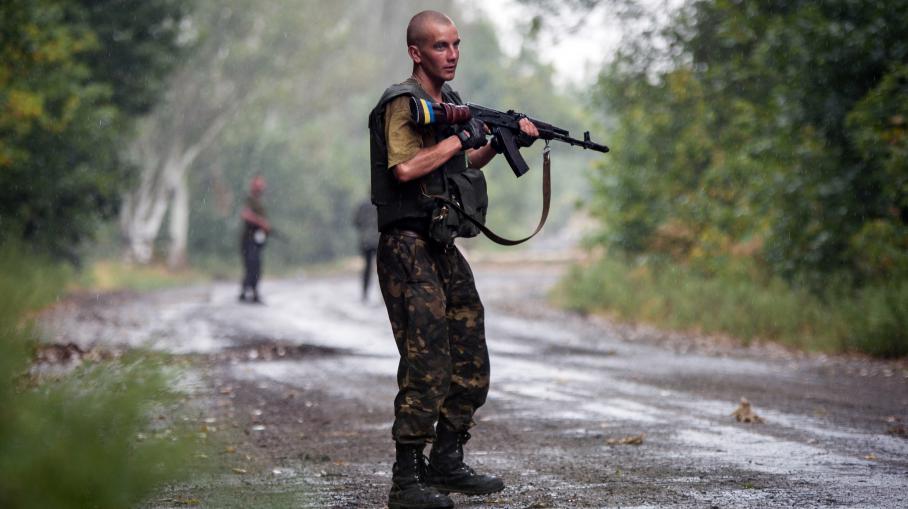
{"x":428,"y":115}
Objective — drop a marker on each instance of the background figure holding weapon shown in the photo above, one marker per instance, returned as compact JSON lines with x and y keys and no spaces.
{"x":256,"y":230}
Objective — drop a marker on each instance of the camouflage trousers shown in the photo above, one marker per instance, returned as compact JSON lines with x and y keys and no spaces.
{"x":439,"y":327}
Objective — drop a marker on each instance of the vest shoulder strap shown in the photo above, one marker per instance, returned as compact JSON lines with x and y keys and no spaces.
{"x":410,"y":88}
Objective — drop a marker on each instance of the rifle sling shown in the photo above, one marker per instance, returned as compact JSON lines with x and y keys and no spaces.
{"x":546,"y":199}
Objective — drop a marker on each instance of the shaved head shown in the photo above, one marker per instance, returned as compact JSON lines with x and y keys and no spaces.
{"x":418,"y":27}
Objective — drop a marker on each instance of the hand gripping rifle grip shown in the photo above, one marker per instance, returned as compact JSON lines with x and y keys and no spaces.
{"x":508,"y":143}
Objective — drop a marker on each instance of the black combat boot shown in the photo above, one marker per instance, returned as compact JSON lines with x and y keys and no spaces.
{"x":447,"y":471}
{"x":408,"y":486}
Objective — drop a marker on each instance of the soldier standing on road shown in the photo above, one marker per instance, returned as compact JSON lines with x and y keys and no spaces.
{"x":428,"y":287}
{"x":252,"y":240}
{"x":366,"y":222}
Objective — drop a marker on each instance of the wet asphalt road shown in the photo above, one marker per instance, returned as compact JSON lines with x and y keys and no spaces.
{"x":315,"y":423}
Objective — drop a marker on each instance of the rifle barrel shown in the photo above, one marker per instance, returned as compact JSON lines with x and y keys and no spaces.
{"x":585,"y":142}
{"x":420,"y":109}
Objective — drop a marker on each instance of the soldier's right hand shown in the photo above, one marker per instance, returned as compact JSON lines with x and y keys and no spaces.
{"x":472,"y":134}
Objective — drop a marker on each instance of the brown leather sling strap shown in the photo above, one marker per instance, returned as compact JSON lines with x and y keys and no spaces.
{"x":546,"y":200}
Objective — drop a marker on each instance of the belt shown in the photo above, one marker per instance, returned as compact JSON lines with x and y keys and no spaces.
{"x":421,"y":236}
{"x":408,"y":233}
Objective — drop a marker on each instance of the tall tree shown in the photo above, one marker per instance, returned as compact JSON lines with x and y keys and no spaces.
{"x":734,"y":137}
{"x":63,"y":113}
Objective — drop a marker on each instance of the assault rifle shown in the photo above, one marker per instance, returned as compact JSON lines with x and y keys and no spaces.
{"x":504,"y":127}
{"x":261,"y":236}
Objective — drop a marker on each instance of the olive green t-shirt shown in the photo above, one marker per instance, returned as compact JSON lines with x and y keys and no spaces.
{"x":255,"y":205}
{"x":403,"y":138}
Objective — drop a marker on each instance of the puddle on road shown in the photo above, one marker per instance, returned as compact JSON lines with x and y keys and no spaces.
{"x":331,"y":314}
{"x":344,"y":376}
{"x":513,"y":327}
{"x":626,"y":410}
{"x":761,"y":453}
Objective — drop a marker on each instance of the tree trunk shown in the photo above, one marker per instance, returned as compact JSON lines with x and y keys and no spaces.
{"x":164,"y":185}
{"x":179,"y":223}
{"x":145,"y":207}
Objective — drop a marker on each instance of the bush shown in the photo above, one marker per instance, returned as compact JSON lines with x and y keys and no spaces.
{"x":879,"y":320}
{"x":873,"y":320}
{"x":76,"y":441}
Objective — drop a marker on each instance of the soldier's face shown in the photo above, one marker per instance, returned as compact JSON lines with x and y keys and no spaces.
{"x":440,"y":51}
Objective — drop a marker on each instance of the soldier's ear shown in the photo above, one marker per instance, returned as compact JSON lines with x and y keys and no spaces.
{"x":415,"y":54}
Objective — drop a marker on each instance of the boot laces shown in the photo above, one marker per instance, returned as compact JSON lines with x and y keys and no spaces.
{"x":462,"y":439}
{"x":420,"y":463}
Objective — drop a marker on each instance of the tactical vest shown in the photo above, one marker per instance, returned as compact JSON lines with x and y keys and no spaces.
{"x":397,"y":200}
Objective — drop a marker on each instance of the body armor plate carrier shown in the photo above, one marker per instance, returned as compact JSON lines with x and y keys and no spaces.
{"x":419,"y":199}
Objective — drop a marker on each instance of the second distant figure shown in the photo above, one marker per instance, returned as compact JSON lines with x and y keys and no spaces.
{"x":366,"y":222}
{"x":252,"y":241}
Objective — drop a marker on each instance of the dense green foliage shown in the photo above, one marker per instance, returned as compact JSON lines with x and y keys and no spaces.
{"x":73,"y":73}
{"x":755,"y":143}
{"x":773,"y":130}
{"x":74,"y":441}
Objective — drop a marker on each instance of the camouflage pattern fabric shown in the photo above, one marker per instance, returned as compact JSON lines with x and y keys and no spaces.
{"x":438,"y":324}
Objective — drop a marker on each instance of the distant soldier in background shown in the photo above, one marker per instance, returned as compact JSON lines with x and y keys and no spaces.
{"x":366,"y":222}
{"x":252,"y":241}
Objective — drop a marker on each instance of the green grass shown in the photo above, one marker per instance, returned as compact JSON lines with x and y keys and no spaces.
{"x":872,"y":320}
{"x":89,"y":438}
{"x":109,"y":275}
{"x":878,"y":319}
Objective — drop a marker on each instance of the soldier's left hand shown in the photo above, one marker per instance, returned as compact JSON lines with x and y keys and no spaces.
{"x":528,"y":128}
{"x":528,"y":133}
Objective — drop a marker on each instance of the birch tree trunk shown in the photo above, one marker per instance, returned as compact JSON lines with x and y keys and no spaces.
{"x":179,"y":223}
{"x":164,"y":186}
{"x":144,"y":208}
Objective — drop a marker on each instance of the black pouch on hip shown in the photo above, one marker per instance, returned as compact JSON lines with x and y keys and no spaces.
{"x":444,"y":225}
{"x":463,"y":204}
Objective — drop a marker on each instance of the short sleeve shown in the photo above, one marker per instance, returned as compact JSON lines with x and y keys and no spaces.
{"x":403,"y":139}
